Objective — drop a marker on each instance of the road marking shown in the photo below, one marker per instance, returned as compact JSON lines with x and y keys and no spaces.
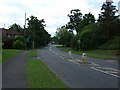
{"x":93,"y":67}
{"x":107,"y":72}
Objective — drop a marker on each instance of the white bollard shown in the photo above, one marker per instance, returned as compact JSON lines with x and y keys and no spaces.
{"x":69,"y":53}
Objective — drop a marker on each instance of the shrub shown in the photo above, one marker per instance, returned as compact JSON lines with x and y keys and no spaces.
{"x":8,"y":42}
{"x":18,"y":44}
{"x":112,"y":44}
{"x":73,"y":42}
{"x":21,"y":38}
{"x":89,"y":37}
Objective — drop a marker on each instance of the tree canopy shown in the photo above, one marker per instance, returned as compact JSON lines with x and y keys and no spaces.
{"x":15,"y":27}
{"x":36,"y":30}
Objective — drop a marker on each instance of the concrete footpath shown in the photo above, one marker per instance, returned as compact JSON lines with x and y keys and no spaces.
{"x":14,"y":72}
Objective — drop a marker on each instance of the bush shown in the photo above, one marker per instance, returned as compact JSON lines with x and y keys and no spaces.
{"x":18,"y":44}
{"x":21,"y":38}
{"x":112,"y":44}
{"x":8,"y":42}
{"x":89,"y":37}
{"x":89,"y":40}
{"x":73,"y":42}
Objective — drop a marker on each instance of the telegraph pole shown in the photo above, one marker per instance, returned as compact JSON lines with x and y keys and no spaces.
{"x":25,"y":31}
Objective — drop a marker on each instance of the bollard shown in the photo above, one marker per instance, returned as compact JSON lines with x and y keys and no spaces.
{"x":84,"y":58}
{"x":69,"y":52}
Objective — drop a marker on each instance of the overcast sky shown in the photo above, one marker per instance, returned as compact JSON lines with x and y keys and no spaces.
{"x":54,"y":12}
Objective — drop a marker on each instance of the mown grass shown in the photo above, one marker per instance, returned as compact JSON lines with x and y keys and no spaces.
{"x":33,"y":53}
{"x":9,"y":53}
{"x":39,"y":76}
{"x":99,"y":54}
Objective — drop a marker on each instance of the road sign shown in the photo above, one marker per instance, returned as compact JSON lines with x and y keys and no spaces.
{"x":29,"y":38}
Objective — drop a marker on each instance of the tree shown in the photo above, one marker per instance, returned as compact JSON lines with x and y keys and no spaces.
{"x":87,"y":19}
{"x":36,"y":29}
{"x":75,"y":18}
{"x":108,"y":21}
{"x":64,"y":36}
{"x":16,"y":27}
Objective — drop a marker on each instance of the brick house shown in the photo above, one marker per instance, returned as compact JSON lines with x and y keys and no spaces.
{"x":10,"y":33}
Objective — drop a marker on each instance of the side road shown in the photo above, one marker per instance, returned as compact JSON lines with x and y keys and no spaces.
{"x":13,"y":72}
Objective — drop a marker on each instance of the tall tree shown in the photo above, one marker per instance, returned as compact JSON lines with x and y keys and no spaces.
{"x":87,"y":19}
{"x":108,"y":21}
{"x":37,"y":31}
{"x":75,"y":18}
{"x":15,"y":27}
{"x":63,"y":36}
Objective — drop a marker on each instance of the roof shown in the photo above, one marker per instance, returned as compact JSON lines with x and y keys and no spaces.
{"x":7,"y":31}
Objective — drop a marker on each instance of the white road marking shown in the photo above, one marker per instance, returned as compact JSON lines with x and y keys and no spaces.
{"x":104,"y":72}
{"x":107,"y":72}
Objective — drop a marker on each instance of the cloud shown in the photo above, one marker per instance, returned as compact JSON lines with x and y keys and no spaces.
{"x":54,"y":12}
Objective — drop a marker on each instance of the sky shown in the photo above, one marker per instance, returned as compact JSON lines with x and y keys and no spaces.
{"x":54,"y":12}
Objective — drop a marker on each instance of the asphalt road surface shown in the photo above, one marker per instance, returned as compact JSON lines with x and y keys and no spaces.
{"x":95,"y":73}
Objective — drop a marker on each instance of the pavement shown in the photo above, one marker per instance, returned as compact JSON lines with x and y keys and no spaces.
{"x":14,"y":72}
{"x":76,"y":74}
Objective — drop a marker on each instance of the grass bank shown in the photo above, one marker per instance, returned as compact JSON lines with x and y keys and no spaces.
{"x":39,"y":76}
{"x":99,"y":54}
{"x":9,"y":53}
{"x":33,"y":53}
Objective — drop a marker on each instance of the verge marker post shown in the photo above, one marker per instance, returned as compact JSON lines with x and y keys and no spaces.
{"x":69,"y":52}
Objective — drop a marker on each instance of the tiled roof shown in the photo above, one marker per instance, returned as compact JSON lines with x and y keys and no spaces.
{"x":7,"y":31}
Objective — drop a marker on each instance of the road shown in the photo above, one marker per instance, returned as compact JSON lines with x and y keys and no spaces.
{"x":77,"y":74}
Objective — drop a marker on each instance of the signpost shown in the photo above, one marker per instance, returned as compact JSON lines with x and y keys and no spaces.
{"x":78,"y":41}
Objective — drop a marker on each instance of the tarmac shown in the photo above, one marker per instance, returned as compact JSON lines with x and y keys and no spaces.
{"x":14,"y":71}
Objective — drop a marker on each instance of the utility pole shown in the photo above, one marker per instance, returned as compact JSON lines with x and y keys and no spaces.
{"x":25,"y":32}
{"x":33,"y":39}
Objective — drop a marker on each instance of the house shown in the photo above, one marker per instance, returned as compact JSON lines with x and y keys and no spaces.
{"x":10,"y":33}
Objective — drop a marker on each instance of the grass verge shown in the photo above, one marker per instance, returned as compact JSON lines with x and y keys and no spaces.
{"x":33,"y":53}
{"x":9,"y":53}
{"x":99,"y":54}
{"x":39,"y":76}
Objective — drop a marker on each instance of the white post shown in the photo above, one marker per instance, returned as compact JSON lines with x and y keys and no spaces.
{"x":69,"y":53}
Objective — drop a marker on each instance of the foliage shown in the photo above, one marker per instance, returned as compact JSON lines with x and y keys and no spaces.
{"x":15,"y":27}
{"x":54,"y":40}
{"x":108,"y":21}
{"x":37,"y":31}
{"x":64,"y":36}
{"x":18,"y":44}
{"x":73,"y":43}
{"x":87,"y":19}
{"x":75,"y":18}
{"x":8,"y":42}
{"x":112,"y":44}
{"x":21,"y":38}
